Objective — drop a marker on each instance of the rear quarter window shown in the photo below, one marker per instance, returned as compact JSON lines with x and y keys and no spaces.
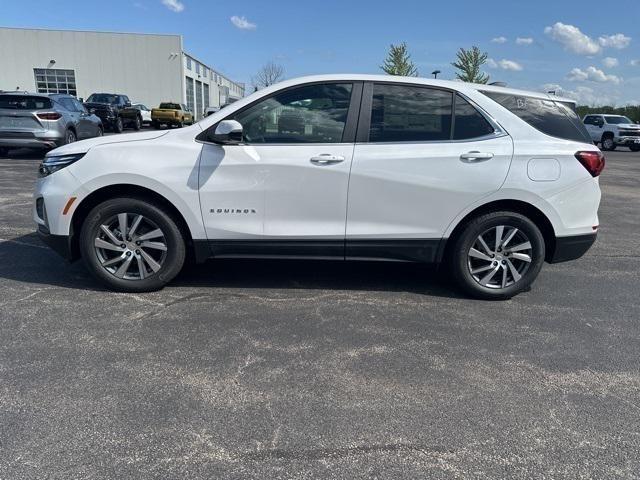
{"x":554,"y":118}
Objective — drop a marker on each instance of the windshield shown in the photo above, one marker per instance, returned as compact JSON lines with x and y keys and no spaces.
{"x":615,"y":120}
{"x":24,"y":102}
{"x":170,"y":106}
{"x":102,"y":98}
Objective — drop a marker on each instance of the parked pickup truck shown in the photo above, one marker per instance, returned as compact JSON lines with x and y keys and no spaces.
{"x":171,"y":114}
{"x":612,"y":131}
{"x":114,"y":110}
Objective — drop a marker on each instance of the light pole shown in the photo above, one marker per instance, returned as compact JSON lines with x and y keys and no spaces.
{"x":435,"y":73}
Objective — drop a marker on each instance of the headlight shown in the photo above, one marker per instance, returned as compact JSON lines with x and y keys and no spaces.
{"x":54,"y":163}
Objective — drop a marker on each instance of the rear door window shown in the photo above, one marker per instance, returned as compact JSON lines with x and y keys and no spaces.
{"x":25,"y":102}
{"x":554,"y":118}
{"x":403,"y":113}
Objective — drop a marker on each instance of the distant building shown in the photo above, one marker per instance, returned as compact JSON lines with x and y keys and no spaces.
{"x":148,"y":68}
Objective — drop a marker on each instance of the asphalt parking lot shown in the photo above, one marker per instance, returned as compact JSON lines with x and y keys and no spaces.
{"x":265,"y":370}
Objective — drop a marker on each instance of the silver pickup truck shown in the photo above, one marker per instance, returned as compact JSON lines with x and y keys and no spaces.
{"x":611,"y":131}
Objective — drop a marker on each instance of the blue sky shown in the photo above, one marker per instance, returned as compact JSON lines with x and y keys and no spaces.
{"x":575,"y":47}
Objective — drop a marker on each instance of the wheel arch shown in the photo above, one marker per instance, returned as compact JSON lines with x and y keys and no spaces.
{"x":130,"y":190}
{"x":530,"y":211}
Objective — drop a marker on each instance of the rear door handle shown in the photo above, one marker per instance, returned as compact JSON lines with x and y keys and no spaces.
{"x":327,"y":159}
{"x":476,"y":156}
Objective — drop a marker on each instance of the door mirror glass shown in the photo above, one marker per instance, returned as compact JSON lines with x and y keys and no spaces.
{"x":228,"y":132}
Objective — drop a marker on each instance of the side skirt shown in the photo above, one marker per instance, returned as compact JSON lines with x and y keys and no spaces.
{"x":411,"y":250}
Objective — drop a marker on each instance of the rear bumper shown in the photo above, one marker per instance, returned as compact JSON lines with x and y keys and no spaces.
{"x":570,"y":248}
{"x":47,"y":140}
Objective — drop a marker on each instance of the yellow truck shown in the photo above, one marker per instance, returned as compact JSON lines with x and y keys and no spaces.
{"x":171,"y":114}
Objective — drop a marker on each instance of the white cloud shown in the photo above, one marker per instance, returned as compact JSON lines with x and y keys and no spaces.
{"x":618,"y":41}
{"x":174,"y":5}
{"x":242,"y":23}
{"x":582,"y":95}
{"x":592,"y":74}
{"x":524,"y":40}
{"x":504,"y":64}
{"x":573,"y":39}
{"x":610,"y":62}
{"x":635,"y":63}
{"x":499,"y":40}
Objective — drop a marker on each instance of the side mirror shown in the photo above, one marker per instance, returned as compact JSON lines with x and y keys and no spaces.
{"x":228,"y":132}
{"x":81,"y":100}
{"x":127,"y":104}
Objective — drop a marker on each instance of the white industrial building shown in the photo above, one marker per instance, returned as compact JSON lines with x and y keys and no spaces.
{"x":148,"y":68}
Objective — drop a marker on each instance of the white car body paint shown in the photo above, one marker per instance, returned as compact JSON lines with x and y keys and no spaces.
{"x":401,"y":191}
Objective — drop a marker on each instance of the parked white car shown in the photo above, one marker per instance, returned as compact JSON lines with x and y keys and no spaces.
{"x":144,"y":111}
{"x":611,"y":131}
{"x":491,"y":181}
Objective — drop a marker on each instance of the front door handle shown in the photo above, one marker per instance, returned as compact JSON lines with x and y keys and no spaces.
{"x":470,"y":157}
{"x":327,"y":159}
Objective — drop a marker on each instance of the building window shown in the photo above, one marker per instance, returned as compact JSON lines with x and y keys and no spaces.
{"x":190,"y":95}
{"x":189,"y":63}
{"x":205,"y":94}
{"x":198,"y":100}
{"x":197,"y":68}
{"x":51,"y":80}
{"x":204,"y":71}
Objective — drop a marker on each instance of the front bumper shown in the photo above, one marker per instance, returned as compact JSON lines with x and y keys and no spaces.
{"x":571,"y":248}
{"x":627,"y":141}
{"x":61,"y":244}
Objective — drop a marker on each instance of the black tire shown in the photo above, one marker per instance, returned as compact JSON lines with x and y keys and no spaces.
{"x":4,"y":152}
{"x":118,"y":126}
{"x":137,"y":123}
{"x":180,"y":124}
{"x":170,"y":266}
{"x":459,"y":261}
{"x":634,"y":148}
{"x":155,"y":125}
{"x":100,"y":131}
{"x":607,"y":143}
{"x":69,"y":137}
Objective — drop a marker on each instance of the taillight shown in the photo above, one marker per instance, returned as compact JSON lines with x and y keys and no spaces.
{"x":48,"y":115}
{"x":592,"y":161}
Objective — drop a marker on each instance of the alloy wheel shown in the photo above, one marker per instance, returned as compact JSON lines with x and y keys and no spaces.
{"x":130,"y":246}
{"x":500,"y":257}
{"x":71,"y":137}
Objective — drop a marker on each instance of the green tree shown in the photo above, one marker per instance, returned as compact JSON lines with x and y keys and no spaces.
{"x":468,"y":65}
{"x":398,"y":62}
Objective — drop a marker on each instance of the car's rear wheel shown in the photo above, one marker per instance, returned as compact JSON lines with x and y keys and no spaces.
{"x":634,"y":148}
{"x":131,"y":245}
{"x":69,"y":137}
{"x":118,"y":126}
{"x":180,"y":124}
{"x":497,"y":255}
{"x":607,"y":143}
{"x":137,"y":124}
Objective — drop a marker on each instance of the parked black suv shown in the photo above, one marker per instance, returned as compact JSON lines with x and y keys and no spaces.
{"x":115,"y":111}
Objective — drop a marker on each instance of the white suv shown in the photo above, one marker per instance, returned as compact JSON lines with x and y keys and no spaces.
{"x":490,"y":180}
{"x":613,"y":130}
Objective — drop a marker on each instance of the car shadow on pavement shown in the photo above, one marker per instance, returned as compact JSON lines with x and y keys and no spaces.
{"x":26,"y":259}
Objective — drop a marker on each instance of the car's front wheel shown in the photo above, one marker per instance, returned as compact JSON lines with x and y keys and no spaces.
{"x":634,"y":148}
{"x":607,"y":143}
{"x":497,"y":255}
{"x":131,"y":245}
{"x":137,"y":123}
